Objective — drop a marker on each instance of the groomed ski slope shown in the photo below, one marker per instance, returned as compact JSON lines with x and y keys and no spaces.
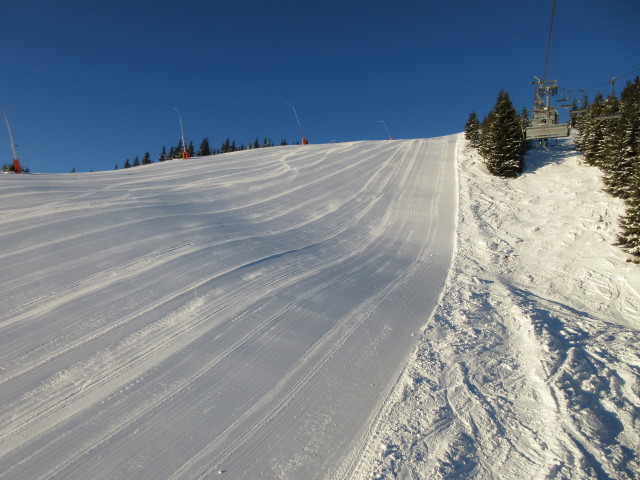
{"x":243,"y":315}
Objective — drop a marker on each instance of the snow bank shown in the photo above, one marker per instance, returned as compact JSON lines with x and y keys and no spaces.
{"x":530,"y":366}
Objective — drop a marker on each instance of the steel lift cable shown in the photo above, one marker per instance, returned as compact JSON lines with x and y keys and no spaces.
{"x":546,"y":60}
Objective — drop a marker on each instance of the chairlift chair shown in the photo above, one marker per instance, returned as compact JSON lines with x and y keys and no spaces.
{"x":545,"y":116}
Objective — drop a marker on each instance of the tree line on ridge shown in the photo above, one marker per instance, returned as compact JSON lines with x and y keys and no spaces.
{"x":607,"y":132}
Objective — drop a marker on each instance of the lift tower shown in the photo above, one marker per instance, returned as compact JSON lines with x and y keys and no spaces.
{"x":545,"y":116}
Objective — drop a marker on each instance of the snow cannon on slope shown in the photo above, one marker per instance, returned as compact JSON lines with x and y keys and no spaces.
{"x":16,"y":162}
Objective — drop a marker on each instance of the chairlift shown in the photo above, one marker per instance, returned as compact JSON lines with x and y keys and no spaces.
{"x":545,"y":116}
{"x":613,"y":116}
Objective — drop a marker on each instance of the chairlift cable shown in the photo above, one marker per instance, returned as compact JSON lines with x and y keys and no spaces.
{"x":545,"y":117}
{"x":617,"y":77}
{"x":546,"y":60}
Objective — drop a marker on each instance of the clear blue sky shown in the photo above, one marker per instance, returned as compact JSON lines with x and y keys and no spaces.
{"x":88,"y":84}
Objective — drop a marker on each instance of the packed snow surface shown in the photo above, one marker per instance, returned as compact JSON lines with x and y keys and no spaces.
{"x":295,"y":313}
{"x":530,"y":365}
{"x":243,"y":315}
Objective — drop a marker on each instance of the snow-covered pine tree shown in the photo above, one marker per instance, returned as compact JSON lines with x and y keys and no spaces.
{"x":590,"y":133}
{"x":501,"y":139}
{"x":579,"y":122}
{"x":625,"y":152}
{"x":613,"y":144}
{"x":627,"y":180}
{"x":606,"y":147}
{"x":629,"y":236}
{"x":472,"y":130}
{"x":525,"y":121}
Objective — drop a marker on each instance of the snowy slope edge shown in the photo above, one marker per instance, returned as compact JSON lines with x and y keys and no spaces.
{"x":530,"y":365}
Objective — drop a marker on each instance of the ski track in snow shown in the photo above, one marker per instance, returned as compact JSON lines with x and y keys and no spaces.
{"x":243,"y":314}
{"x":251,"y":315}
{"x":530,"y":365}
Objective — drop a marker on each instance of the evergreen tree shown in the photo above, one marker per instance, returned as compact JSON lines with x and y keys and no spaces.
{"x":501,"y":139}
{"x":605,"y":148}
{"x":256,"y":143}
{"x":191,"y":151}
{"x":613,"y":144}
{"x":180,"y":147}
{"x":579,"y":121}
{"x":629,"y":236}
{"x":172,"y":153}
{"x":591,"y":135}
{"x":116,"y":167}
{"x":204,"y":149}
{"x":624,"y":148}
{"x":525,"y":121}
{"x":283,"y":142}
{"x":226,"y":146}
{"x":163,"y":154}
{"x":146,"y":159}
{"x":127,"y":164}
{"x":627,"y":177}
{"x":472,"y":130}
{"x":136,"y":161}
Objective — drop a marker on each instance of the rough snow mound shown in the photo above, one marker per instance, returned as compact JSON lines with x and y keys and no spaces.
{"x":530,"y":366}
